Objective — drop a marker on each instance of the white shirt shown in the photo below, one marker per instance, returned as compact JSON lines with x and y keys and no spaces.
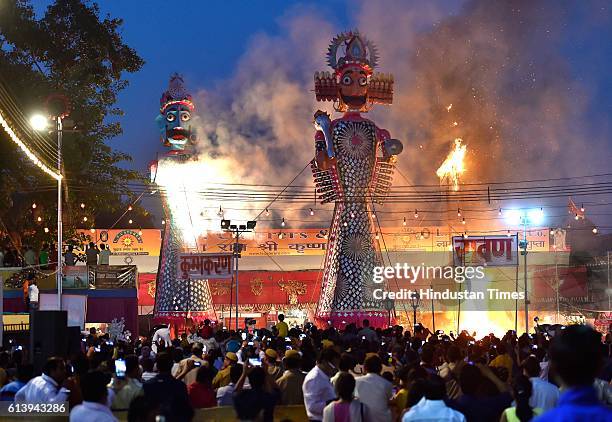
{"x":432,"y":410}
{"x":375,"y":392}
{"x":91,"y":412}
{"x":161,"y":334}
{"x":33,"y":293}
{"x":225,"y":395}
{"x":544,"y":394}
{"x":42,"y":389}
{"x":104,"y":257}
{"x":318,"y":390}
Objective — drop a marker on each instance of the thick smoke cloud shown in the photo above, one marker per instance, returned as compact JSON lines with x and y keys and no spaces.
{"x":514,"y":99}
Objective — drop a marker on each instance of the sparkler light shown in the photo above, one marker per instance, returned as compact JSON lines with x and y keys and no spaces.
{"x":453,"y":166}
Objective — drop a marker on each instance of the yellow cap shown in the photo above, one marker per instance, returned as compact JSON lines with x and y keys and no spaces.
{"x":327,"y":344}
{"x":271,"y":353}
{"x":292,"y":354}
{"x":231,"y":356}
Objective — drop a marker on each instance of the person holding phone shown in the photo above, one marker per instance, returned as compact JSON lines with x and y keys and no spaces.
{"x":188,"y":367}
{"x":274,"y":370}
{"x":126,"y":383}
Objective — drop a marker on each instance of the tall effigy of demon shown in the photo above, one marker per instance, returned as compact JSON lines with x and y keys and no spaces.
{"x":353,"y":167}
{"x":176,"y":297}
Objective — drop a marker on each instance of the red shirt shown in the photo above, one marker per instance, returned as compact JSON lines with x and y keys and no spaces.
{"x":201,"y":396}
{"x":206,"y":332}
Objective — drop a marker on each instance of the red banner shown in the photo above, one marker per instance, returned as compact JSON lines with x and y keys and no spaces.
{"x":254,"y":287}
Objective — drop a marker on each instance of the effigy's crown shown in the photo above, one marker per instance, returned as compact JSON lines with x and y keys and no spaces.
{"x":176,"y":94}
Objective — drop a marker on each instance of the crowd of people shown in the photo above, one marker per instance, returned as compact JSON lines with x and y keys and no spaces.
{"x":46,"y":257}
{"x":355,"y":374}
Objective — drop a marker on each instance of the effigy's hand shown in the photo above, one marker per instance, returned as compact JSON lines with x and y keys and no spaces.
{"x":392,"y":147}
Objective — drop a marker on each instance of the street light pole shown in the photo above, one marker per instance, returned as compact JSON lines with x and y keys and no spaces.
{"x":237,"y":250}
{"x":525,"y":273}
{"x":60,"y":225}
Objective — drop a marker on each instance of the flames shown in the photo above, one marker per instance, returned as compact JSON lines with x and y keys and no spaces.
{"x":453,"y":166}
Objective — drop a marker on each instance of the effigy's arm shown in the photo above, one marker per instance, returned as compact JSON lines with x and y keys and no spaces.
{"x":385,"y":164}
{"x":323,"y":169}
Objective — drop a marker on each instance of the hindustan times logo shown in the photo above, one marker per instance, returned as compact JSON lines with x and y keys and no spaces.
{"x":412,"y":273}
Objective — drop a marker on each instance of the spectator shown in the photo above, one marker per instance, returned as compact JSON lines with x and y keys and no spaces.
{"x":161,"y":335}
{"x":29,"y":257}
{"x":46,"y":388}
{"x":104,"y":255}
{"x":95,"y":397}
{"x":544,"y":395}
{"x":33,"y":295}
{"x":147,"y":370}
{"x":43,"y":257}
{"x":127,"y":389}
{"x":69,"y":257}
{"x":24,"y":374}
{"x":317,"y":388}
{"x":521,"y":391}
{"x":26,"y":290}
{"x":474,"y":403}
{"x":346,"y":364}
{"x":290,"y":383}
{"x":206,"y":331}
{"x":223,"y":376}
{"x":346,"y":408}
{"x":432,"y":406}
{"x":373,"y":390}
{"x":189,"y":367}
{"x":170,"y":393}
{"x":281,"y":326}
{"x":256,"y":402}
{"x":201,"y":394}
{"x":503,"y":359}
{"x":450,"y":370}
{"x":1,"y":257}
{"x":92,"y":254}
{"x":575,"y":355}
{"x":367,"y":333}
{"x":225,"y":395}
{"x":274,"y":370}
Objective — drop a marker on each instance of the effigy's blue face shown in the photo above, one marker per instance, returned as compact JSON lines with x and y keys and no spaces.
{"x":176,"y":127}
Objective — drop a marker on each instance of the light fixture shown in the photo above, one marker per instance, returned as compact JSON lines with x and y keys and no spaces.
{"x":499,"y":213}
{"x":345,"y":224}
{"x":92,"y":230}
{"x":130,"y":221}
{"x":576,"y":217}
{"x":508,"y":233}
{"x":377,"y":236}
{"x":129,"y":208}
{"x":352,"y":214}
{"x":416,"y":213}
{"x":140,"y":232}
{"x":267,"y":213}
{"x":458,"y":212}
{"x":404,"y":223}
{"x":82,"y":205}
{"x":463,"y":221}
{"x":39,"y":122}
{"x":163,"y":222}
{"x":84,"y":218}
{"x":280,"y":236}
{"x":220,"y":212}
{"x":46,"y":229}
{"x":34,"y":205}
{"x":39,"y":219}
{"x":283,"y":222}
{"x":536,"y":216}
{"x":311,"y":211}
{"x":581,"y":207}
{"x":594,"y":230}
{"x":465,"y":235}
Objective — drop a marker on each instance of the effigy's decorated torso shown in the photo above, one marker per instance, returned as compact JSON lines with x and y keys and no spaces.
{"x":353,"y":167}
{"x":176,"y":297}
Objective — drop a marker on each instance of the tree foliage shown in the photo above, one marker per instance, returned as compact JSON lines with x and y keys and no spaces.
{"x":72,"y":50}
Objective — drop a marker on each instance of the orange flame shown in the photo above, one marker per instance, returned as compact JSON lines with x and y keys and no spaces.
{"x":453,"y":166}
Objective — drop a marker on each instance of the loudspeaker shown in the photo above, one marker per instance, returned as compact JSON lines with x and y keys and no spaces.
{"x":48,"y":336}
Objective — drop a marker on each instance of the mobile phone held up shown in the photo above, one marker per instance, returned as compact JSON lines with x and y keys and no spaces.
{"x":255,"y":361}
{"x":120,"y":368}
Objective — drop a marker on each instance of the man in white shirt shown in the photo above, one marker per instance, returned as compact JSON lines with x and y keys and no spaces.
{"x":33,"y":295}
{"x":366,"y":333}
{"x":161,"y":334}
{"x":225,"y":395}
{"x":47,"y":387}
{"x":95,"y":397}
{"x":188,"y":367}
{"x":317,"y":387}
{"x":373,"y":390}
{"x":432,"y":406}
{"x":544,"y":394}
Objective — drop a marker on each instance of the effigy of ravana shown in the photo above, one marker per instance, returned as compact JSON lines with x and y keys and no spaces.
{"x":353,"y":167}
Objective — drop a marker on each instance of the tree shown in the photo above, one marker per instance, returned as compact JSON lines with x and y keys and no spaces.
{"x":71,"y":50}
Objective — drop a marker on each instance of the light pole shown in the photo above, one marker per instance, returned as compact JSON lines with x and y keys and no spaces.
{"x":524,"y":218}
{"x":415,"y":300}
{"x":237,"y":230}
{"x":40,"y":122}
